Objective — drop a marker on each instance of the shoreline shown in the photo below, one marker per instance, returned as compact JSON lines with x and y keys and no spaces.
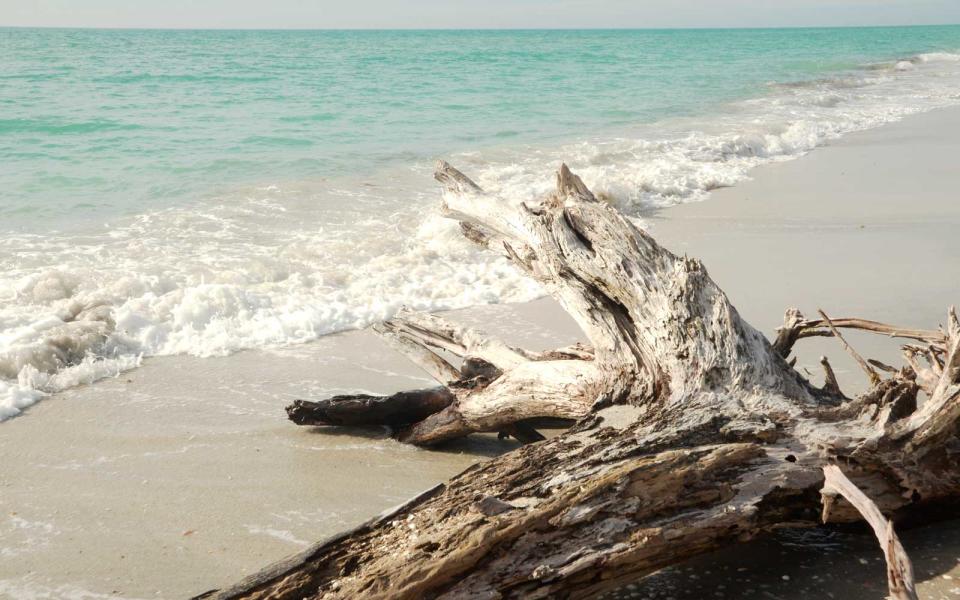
{"x":232,"y":485}
{"x":244,"y":269}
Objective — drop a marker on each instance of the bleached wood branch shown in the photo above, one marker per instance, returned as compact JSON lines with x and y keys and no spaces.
{"x":693,"y":431}
{"x":899,"y":568}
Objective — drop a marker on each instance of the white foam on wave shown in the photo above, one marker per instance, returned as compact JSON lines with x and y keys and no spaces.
{"x":939,"y":57}
{"x":682,"y":160}
{"x":288,"y":262}
{"x":238,"y":273}
{"x":15,"y":397}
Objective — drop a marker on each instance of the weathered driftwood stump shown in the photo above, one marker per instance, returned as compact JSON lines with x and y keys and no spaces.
{"x":692,"y":430}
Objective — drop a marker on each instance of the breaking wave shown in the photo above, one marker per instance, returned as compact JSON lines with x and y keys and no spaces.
{"x":285,"y":263}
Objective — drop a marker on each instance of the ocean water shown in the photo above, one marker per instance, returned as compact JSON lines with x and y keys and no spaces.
{"x":202,"y":192}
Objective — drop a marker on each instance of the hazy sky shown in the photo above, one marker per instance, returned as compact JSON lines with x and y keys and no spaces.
{"x":472,"y":13}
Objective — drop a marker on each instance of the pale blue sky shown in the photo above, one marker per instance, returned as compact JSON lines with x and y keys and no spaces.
{"x":324,"y":14}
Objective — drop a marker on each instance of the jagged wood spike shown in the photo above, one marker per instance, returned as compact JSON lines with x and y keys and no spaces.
{"x":418,"y":353}
{"x":882,"y":366}
{"x":871,"y":373}
{"x":432,"y":330}
{"x":830,"y":384}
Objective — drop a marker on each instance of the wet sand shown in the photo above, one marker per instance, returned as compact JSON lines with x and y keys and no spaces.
{"x":184,"y":475}
{"x":809,"y":564}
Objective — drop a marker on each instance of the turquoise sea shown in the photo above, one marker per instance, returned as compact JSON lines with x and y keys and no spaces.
{"x":201,"y":192}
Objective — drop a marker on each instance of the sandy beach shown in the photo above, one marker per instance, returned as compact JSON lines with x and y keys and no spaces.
{"x":865,"y":226}
{"x":184,"y":475}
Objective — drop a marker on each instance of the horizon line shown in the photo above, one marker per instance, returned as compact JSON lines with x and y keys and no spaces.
{"x":413,"y":29}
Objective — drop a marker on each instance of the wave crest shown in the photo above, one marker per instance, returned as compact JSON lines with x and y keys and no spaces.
{"x":286,"y":263}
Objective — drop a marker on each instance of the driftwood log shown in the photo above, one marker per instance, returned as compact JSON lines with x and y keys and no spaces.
{"x":692,"y":430}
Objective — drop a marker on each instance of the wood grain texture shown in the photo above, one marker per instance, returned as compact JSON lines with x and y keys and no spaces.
{"x":693,"y":431}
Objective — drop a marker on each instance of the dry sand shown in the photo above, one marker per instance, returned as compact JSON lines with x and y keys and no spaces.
{"x":184,"y":475}
{"x":868,"y":227}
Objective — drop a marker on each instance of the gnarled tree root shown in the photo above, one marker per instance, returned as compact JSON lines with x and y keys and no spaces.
{"x":693,"y":430}
{"x":496,"y":388}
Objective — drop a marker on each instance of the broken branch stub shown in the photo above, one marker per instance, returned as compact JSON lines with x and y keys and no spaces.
{"x":899,"y":568}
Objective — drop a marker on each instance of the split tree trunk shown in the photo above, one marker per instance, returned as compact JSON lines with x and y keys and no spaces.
{"x":693,"y":430}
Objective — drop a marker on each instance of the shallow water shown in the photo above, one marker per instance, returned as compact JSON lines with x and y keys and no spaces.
{"x":200,"y":193}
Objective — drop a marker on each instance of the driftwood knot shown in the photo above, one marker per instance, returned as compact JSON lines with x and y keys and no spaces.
{"x":492,"y":506}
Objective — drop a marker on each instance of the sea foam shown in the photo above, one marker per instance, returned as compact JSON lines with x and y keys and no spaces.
{"x":288,"y":261}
